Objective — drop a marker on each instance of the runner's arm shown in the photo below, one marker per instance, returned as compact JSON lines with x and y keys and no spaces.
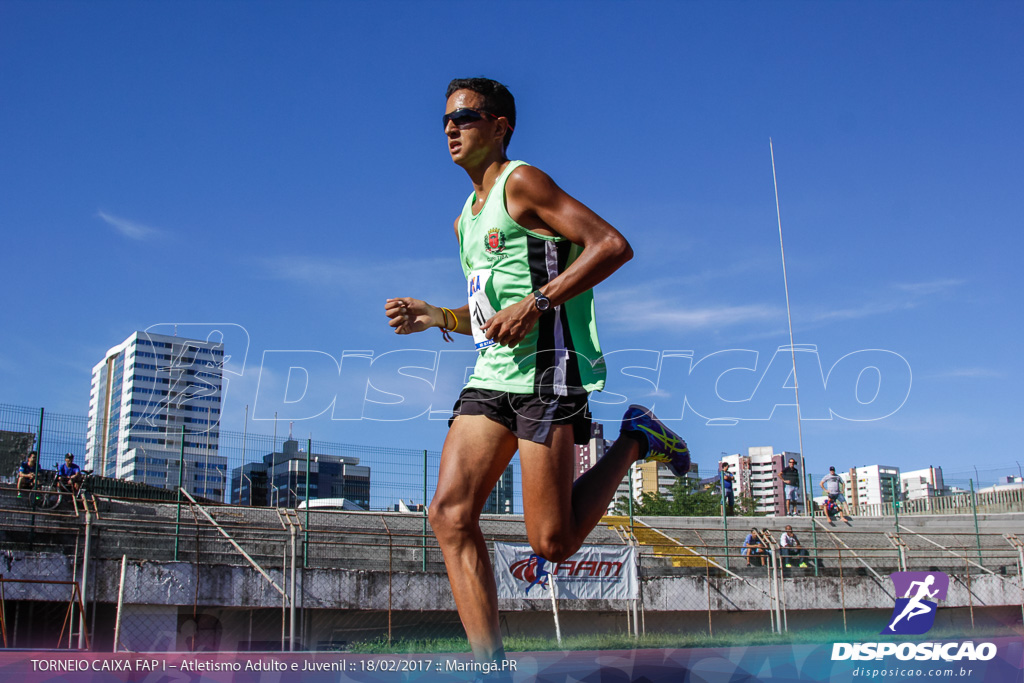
{"x":537,"y":203}
{"x":408,"y":315}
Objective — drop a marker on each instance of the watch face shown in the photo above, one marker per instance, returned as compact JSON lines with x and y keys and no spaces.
{"x":542,"y":302}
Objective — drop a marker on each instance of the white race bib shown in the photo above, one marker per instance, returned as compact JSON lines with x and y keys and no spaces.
{"x":480,"y":308}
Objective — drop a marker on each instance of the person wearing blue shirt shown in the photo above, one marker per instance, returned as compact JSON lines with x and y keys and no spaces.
{"x":70,"y":475}
{"x":727,"y":479}
{"x":27,"y":473}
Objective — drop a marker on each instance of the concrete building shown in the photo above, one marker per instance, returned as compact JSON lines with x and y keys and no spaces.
{"x":645,"y":477}
{"x":589,"y":453}
{"x":651,"y":477}
{"x":144,"y":392}
{"x":919,"y":484}
{"x":757,"y":476}
{"x":873,"y":485}
{"x":499,"y":501}
{"x":279,"y":479}
{"x":14,"y":447}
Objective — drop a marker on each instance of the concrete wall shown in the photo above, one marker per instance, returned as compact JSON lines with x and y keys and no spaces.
{"x":183,"y":583}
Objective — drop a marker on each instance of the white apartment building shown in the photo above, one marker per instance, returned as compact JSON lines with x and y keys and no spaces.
{"x":756,"y":475}
{"x":926,"y":483}
{"x":873,"y":485}
{"x":644,"y":477}
{"x":143,"y":393}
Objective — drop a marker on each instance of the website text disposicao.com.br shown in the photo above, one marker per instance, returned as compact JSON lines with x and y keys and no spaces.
{"x":894,"y":672}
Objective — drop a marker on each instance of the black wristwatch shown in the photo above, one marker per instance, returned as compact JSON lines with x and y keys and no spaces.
{"x":541,"y":302}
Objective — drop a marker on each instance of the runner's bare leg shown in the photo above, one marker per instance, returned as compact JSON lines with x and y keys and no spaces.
{"x":559,"y":514}
{"x":475,"y":454}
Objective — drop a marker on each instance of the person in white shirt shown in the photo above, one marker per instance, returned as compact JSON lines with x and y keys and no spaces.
{"x":791,"y":547}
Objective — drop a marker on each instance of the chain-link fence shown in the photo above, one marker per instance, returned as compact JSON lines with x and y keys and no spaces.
{"x":139,"y":567}
{"x":155,"y":576}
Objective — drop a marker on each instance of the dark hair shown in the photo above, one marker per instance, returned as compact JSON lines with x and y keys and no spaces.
{"x":497,"y":99}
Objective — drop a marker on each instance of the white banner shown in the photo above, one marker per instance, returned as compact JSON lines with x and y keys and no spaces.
{"x":596,"y":572}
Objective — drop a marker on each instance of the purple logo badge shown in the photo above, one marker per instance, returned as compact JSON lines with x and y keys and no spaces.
{"x":916,"y":596}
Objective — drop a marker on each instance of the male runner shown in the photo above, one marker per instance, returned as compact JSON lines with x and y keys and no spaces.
{"x":531,"y":254}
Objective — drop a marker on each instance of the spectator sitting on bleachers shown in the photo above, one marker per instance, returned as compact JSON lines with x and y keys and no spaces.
{"x":791,"y":547}
{"x":27,"y":473}
{"x":753,"y":548}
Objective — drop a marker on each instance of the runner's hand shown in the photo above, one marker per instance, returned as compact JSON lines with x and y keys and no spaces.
{"x":509,"y":326}
{"x":411,"y":315}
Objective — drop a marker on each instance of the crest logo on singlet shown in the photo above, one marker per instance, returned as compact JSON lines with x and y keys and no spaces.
{"x":495,"y":243}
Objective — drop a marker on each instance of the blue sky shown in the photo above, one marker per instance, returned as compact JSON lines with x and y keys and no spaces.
{"x":281,"y":167}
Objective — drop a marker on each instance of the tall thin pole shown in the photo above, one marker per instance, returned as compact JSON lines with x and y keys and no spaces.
{"x":305,"y":542}
{"x":789,"y":314}
{"x":39,"y":457}
{"x":725,"y":515}
{"x":270,"y":479}
{"x":245,"y":433}
{"x":977,"y":531}
{"x":424,"y":510}
{"x":181,"y":478}
{"x":895,"y":503}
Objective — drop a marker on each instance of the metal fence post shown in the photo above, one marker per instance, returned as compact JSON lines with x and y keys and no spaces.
{"x":181,"y":480}
{"x":808,"y":508}
{"x":895,"y":503}
{"x":39,"y":457}
{"x":424,"y":510}
{"x":842,"y":587}
{"x":725,"y":516}
{"x":305,"y":541}
{"x":974,"y":507}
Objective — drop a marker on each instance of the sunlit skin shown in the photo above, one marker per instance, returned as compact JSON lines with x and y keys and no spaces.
{"x":559,"y":513}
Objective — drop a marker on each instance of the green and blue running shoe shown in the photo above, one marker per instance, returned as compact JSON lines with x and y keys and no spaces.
{"x":657,"y":442}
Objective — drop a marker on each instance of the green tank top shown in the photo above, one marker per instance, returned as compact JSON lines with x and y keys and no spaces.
{"x":504,"y":263}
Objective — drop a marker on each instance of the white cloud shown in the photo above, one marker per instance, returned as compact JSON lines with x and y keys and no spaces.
{"x":928,"y":288}
{"x":966,"y":373}
{"x":129,"y":229}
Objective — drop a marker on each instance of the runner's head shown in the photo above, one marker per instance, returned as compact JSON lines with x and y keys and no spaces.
{"x":495,"y":101}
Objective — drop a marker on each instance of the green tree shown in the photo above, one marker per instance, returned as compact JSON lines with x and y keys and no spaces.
{"x":684,"y":499}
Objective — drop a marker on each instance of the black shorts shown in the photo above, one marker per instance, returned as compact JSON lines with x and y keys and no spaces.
{"x":528,"y":416}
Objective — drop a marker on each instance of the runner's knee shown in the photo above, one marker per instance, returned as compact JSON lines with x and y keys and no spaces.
{"x":450,"y":519}
{"x":552,"y":547}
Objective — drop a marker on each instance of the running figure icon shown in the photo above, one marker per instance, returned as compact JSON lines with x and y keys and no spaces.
{"x":918,"y":594}
{"x":915,"y":607}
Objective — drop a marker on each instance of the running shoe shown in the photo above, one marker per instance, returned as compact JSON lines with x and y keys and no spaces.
{"x":662,"y":444}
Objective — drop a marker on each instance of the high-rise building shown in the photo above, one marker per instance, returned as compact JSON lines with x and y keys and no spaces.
{"x":757,"y":475}
{"x":872,"y":485}
{"x":926,"y":483}
{"x":146,"y":393}
{"x":587,"y":454}
{"x":279,"y":479}
{"x":499,"y":501}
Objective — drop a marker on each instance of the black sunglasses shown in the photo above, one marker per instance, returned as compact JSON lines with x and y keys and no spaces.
{"x":462,"y":117}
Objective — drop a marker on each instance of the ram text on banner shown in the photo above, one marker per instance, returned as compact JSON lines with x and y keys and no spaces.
{"x":593,"y":573}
